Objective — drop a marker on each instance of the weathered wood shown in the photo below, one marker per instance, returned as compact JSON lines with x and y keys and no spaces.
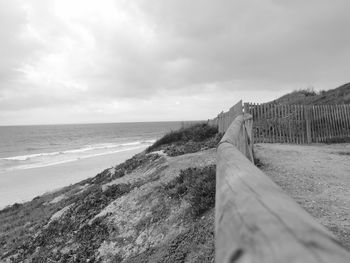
{"x":340,"y":120}
{"x":296,"y":124}
{"x":257,"y":139}
{"x":345,"y":120}
{"x":334,"y":126}
{"x":272,"y":123}
{"x":323,"y":130}
{"x":260,"y":124}
{"x":329,"y":122}
{"x":246,"y":108}
{"x":300,"y":128}
{"x":255,"y":221}
{"x":302,"y":123}
{"x":342,"y":117}
{"x":279,"y":128}
{"x":264,"y":123}
{"x":275,"y":120}
{"x":319,"y":123}
{"x":314,"y":122}
{"x":336,"y":118}
{"x":317,"y":139}
{"x":308,"y":123}
{"x":326,"y":121}
{"x":291,"y":123}
{"x":283,"y":123}
{"x":327,"y":128}
{"x":347,"y":117}
{"x":325,"y":116}
{"x":321,"y":114}
{"x":268,"y":118}
{"x":221,"y":124}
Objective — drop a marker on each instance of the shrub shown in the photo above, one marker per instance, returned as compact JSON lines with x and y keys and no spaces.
{"x":310,"y":91}
{"x":197,"y":186}
{"x":196,"y":133}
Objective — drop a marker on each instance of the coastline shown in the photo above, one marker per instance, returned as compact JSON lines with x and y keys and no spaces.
{"x":19,"y":186}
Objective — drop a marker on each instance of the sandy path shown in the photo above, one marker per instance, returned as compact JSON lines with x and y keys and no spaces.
{"x":317,"y":176}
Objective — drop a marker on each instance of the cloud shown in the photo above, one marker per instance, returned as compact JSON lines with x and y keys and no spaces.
{"x":95,"y":55}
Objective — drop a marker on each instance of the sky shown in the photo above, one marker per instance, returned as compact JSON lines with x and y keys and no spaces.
{"x":89,"y":61}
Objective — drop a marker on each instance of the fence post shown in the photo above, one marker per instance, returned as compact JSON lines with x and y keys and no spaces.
{"x":246,"y":107}
{"x":308,"y":123}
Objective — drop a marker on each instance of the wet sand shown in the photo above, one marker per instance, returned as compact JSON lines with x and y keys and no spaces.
{"x":23,"y":185}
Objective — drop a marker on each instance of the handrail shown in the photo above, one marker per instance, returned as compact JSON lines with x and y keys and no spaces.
{"x":255,"y":221}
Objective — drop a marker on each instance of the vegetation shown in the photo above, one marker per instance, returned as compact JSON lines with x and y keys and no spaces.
{"x":77,"y":226}
{"x":309,"y":96}
{"x":197,"y":186}
{"x":187,"y":140}
{"x":338,"y":140}
{"x":310,"y":91}
{"x":124,"y":168}
{"x":184,"y":247}
{"x":27,"y":229}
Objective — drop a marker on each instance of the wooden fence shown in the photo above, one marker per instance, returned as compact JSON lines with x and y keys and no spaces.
{"x":292,"y":123}
{"x":299,"y":123}
{"x":255,"y":221}
{"x":224,"y":119}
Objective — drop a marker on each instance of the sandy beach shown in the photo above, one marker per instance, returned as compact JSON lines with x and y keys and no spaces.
{"x":23,"y":185}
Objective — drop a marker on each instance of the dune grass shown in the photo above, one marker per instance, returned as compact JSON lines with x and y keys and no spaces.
{"x":187,"y":140}
{"x":196,"y":186}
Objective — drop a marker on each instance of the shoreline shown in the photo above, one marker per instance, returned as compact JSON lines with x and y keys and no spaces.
{"x":20,"y":186}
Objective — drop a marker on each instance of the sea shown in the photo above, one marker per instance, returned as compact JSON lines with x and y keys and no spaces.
{"x":26,"y":147}
{"x":43,"y":158}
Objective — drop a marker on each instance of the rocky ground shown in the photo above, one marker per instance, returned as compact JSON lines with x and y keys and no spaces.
{"x":317,"y":176}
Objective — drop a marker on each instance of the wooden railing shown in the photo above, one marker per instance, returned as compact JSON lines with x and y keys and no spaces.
{"x":255,"y":221}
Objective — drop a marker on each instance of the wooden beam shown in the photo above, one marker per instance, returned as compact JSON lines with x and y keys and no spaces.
{"x":255,"y":221}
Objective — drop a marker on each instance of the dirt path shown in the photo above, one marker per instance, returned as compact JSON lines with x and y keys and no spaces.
{"x":317,"y":177}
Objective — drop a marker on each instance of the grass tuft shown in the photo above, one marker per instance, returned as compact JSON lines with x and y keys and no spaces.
{"x":197,"y":186}
{"x":187,"y":140}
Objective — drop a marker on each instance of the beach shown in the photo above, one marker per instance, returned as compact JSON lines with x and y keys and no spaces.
{"x":19,"y":186}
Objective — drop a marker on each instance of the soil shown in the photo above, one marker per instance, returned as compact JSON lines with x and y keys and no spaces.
{"x":317,"y":176}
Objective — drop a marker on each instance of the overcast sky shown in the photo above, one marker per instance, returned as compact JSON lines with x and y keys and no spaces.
{"x":78,"y":61}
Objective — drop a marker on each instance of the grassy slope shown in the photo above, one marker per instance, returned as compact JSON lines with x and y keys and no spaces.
{"x":187,"y":140}
{"x":340,"y":95}
{"x":151,"y":208}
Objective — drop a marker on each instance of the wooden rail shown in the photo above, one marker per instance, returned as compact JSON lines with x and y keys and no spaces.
{"x":255,"y":221}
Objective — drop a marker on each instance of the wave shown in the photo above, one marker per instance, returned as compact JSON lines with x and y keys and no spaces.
{"x":40,"y":165}
{"x":87,"y":148}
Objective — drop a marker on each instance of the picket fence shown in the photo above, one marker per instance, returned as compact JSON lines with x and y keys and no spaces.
{"x":299,"y":124}
{"x":255,"y":221}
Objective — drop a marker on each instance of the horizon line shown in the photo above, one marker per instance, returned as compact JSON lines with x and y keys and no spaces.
{"x":92,"y":123}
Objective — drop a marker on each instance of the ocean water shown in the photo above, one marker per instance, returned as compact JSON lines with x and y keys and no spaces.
{"x":39,"y":159}
{"x":26,"y":147}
